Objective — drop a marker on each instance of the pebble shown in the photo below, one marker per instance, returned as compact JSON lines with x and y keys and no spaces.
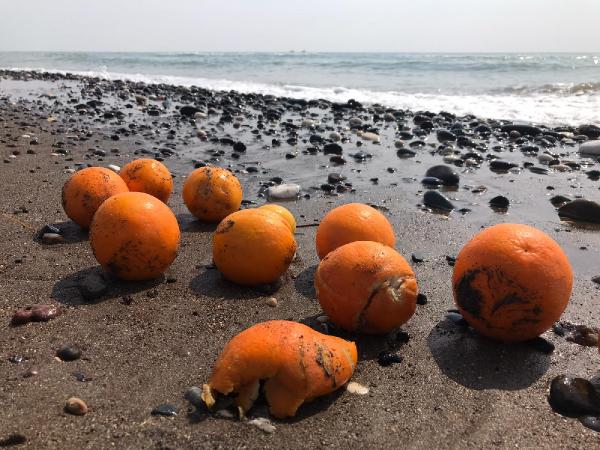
{"x":399,"y":144}
{"x":445,"y":136}
{"x":448,"y":176}
{"x":590,"y":148}
{"x":578,"y":334}
{"x":263,"y":424}
{"x":272,"y":302}
{"x":421,"y":299}
{"x":68,"y":353}
{"x":166,"y":409}
{"x":370,"y":137}
{"x":501,"y":166}
{"x":332,"y":149}
{"x":499,"y":203}
{"x":386,"y":359}
{"x":335,"y":178}
{"x":559,"y":200}
{"x":580,"y":210}
{"x":356,"y":388}
{"x":283,"y":192}
{"x":573,"y":397}
{"x":35,"y":313}
{"x":114,"y":168}
{"x":405,"y":153}
{"x":435,"y":200}
{"x":335,"y":136}
{"x":76,"y":406}
{"x":194,"y":396}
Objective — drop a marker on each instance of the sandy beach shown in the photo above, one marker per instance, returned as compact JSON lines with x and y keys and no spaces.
{"x":145,"y":344}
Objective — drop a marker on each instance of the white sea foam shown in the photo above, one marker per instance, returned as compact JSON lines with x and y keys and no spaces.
{"x":551,"y":106}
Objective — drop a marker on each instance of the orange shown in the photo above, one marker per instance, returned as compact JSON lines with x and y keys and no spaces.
{"x":134,"y":236}
{"x":84,"y":192}
{"x":149,"y":176}
{"x":253,"y":247}
{"x":353,"y":222}
{"x":367,"y":287}
{"x":212,"y":193}
{"x":297,"y":362}
{"x":512,"y":282}
{"x":284,"y":213}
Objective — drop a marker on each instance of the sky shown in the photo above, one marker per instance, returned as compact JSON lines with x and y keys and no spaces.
{"x":311,"y":25}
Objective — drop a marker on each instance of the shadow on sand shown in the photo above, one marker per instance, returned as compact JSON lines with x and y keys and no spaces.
{"x":479,"y":363}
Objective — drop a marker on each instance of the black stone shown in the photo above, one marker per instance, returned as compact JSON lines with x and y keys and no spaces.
{"x":188,"y":111}
{"x":522,"y":129}
{"x":335,"y":178}
{"x":573,"y":397}
{"x":68,"y":353}
{"x":239,"y":147}
{"x":405,"y":153}
{"x":435,"y":200}
{"x":421,"y":299}
{"x":499,"y":203}
{"x":445,"y":173}
{"x":559,"y":200}
{"x":386,"y":359}
{"x":580,"y":210}
{"x":332,"y":149}
{"x":445,"y":136}
{"x":165,"y":409}
{"x":501,"y":166}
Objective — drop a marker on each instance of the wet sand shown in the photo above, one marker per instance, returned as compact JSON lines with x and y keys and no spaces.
{"x":145,"y":344}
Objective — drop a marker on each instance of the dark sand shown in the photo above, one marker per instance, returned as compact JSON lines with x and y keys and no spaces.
{"x":453,"y":389}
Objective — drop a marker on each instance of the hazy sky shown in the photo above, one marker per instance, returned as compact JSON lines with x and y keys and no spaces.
{"x":312,"y":25}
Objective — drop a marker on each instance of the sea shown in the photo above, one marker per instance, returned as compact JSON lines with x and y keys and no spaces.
{"x":543,"y":88}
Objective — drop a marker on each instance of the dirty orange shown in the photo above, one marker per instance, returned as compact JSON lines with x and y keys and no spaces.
{"x":296,"y":363}
{"x":511,"y":282}
{"x":253,"y":247}
{"x":134,"y":236}
{"x":85,"y":190}
{"x":149,"y":176}
{"x":353,"y":222}
{"x":367,"y":287}
{"x":212,"y":193}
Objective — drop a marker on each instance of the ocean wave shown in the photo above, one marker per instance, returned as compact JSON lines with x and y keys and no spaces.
{"x":547,"y":104}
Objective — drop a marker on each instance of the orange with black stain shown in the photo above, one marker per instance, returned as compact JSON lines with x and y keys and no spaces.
{"x":253,"y":247}
{"x":212,"y":193}
{"x":134,"y":236}
{"x":296,"y":363}
{"x":86,"y":190}
{"x":149,"y":176}
{"x":352,"y":222}
{"x":367,"y":287}
{"x":511,"y":282}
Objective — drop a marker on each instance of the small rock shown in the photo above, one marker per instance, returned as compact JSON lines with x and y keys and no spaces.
{"x":581,"y":210}
{"x":263,"y":424}
{"x":335,"y":178}
{"x":421,"y":299}
{"x":500,"y":203}
{"x":166,"y":410}
{"x":335,"y":136}
{"x":31,"y":373}
{"x":68,"y":353}
{"x":573,"y":397}
{"x":114,"y":168}
{"x":332,"y":149}
{"x":356,"y":388}
{"x":387,"y":358}
{"x":35,"y":313}
{"x":501,"y":166}
{"x":194,"y":396}
{"x":590,"y":148}
{"x":76,"y":406}
{"x":417,"y":258}
{"x":272,"y":302}
{"x":435,"y":200}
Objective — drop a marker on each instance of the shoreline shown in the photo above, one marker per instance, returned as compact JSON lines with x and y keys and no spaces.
{"x":453,"y":388}
{"x":284,"y":92}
